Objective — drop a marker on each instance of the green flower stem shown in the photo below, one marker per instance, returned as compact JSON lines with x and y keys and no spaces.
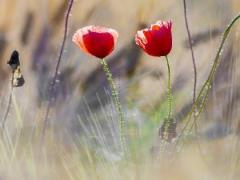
{"x":169,"y":90}
{"x":122,"y":124}
{"x":202,"y":97}
{"x":168,"y":120}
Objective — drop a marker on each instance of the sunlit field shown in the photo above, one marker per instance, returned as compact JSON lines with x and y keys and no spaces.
{"x":161,"y":103}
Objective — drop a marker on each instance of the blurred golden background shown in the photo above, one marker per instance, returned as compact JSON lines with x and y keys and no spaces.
{"x":35,"y":28}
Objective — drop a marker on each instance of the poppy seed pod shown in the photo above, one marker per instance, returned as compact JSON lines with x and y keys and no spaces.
{"x":156,"y":40}
{"x":96,"y":40}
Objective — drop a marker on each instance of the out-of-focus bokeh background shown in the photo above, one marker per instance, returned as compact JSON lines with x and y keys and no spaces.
{"x":85,"y":143}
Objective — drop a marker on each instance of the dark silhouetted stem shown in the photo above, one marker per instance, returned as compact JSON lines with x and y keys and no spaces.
{"x":193,"y":60}
{"x":192,"y":52}
{"x":52,"y":85}
{"x":122,"y":124}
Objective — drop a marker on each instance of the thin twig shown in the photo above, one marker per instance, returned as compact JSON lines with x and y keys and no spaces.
{"x":195,"y":77}
{"x":193,"y":62}
{"x":8,"y":141}
{"x":192,"y":52}
{"x":52,"y":85}
{"x":8,"y":106}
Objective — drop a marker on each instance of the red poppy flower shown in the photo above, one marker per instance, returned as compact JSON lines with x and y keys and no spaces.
{"x":96,"y":40}
{"x":156,"y":40}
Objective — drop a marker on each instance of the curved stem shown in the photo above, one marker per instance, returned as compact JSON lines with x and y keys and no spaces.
{"x":203,"y":94}
{"x":169,"y":90}
{"x":52,"y":85}
{"x":122,"y":124}
{"x":207,"y":85}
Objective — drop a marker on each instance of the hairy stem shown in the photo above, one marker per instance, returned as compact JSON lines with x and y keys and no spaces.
{"x":168,"y":121}
{"x":169,"y":90}
{"x":52,"y":85}
{"x":122,"y":124}
{"x":203,"y":94}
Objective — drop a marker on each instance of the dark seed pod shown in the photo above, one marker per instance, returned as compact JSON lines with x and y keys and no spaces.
{"x":14,"y":63}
